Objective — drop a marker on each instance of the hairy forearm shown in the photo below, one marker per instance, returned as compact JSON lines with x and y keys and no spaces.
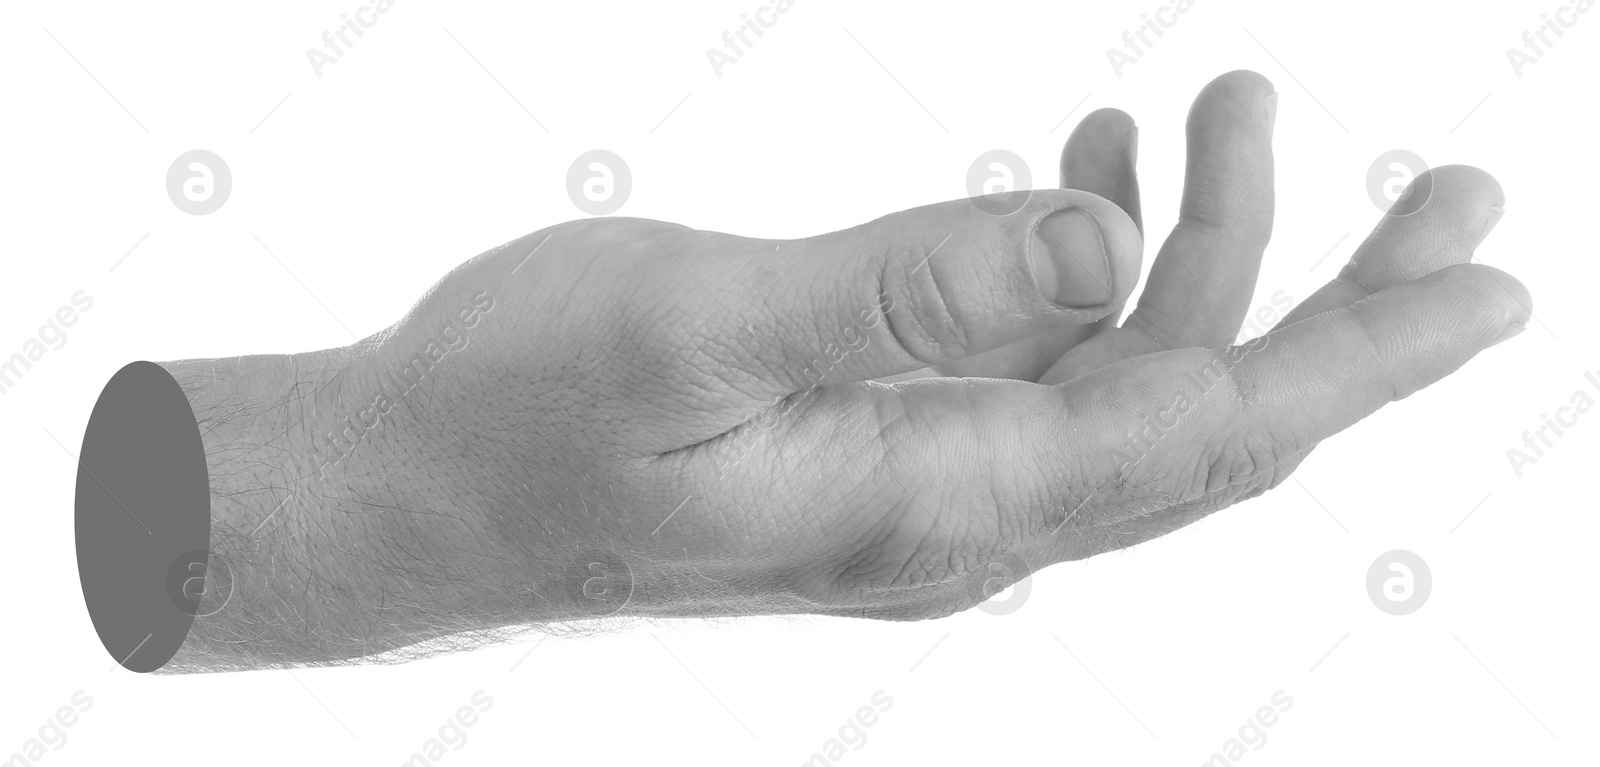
{"x":330,"y":539}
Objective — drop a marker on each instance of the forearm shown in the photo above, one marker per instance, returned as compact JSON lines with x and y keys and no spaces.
{"x":342,"y":535}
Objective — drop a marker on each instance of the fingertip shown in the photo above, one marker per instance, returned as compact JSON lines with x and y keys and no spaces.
{"x":1470,"y":183}
{"x":1240,"y":85}
{"x":1438,"y":222}
{"x":1503,"y":298}
{"x":1460,"y":196}
{"x":1105,"y":122}
{"x":1240,"y":107}
{"x":1479,"y":198}
{"x":1103,"y":147}
{"x":1101,"y":157}
{"x":1228,"y":182}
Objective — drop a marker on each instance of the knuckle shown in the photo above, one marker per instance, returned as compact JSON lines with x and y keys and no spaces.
{"x":925,"y":320}
{"x":1236,"y":467}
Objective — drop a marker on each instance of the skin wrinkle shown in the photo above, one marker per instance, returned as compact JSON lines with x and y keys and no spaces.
{"x":663,"y":376}
{"x":739,"y":342}
{"x":845,"y":494}
{"x":913,"y":331}
{"x":938,"y":299}
{"x":1141,"y":321}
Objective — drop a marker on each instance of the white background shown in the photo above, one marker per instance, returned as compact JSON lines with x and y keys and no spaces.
{"x":407,"y":158}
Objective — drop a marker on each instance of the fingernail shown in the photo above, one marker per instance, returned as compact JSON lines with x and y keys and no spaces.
{"x":1272,"y":111}
{"x":1511,"y":330}
{"x":1069,"y":260}
{"x":1133,"y":146}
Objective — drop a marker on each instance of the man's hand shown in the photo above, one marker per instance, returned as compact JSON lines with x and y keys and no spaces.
{"x":619,"y":416}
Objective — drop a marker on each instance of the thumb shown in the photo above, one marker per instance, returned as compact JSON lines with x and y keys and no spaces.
{"x":938,"y":283}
